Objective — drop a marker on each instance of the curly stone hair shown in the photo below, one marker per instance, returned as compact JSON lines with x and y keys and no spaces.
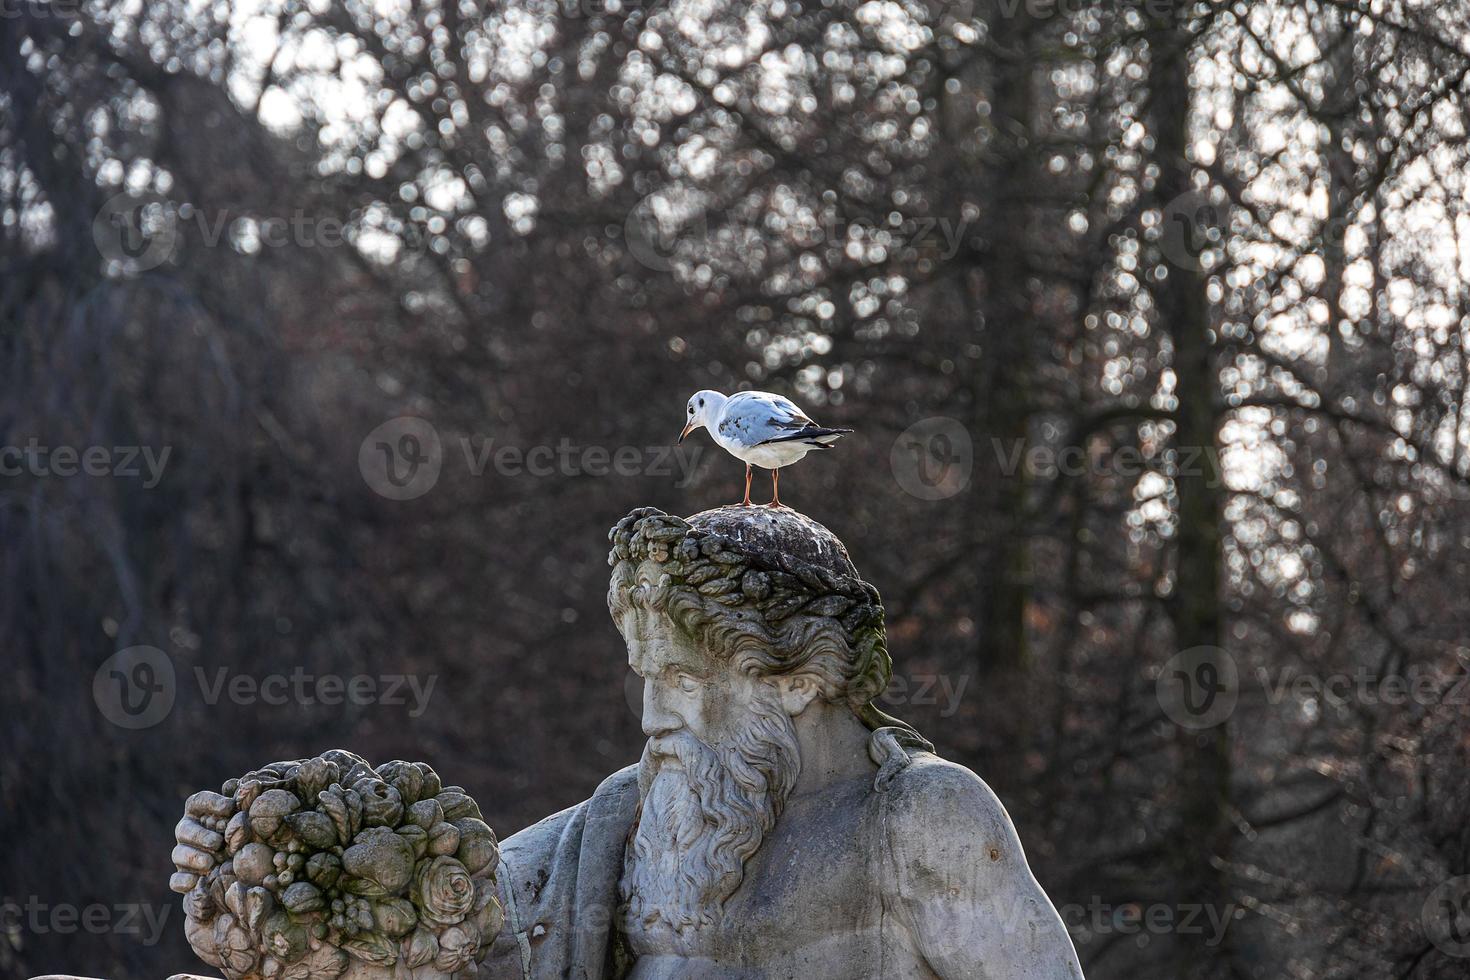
{"x":766,"y":609}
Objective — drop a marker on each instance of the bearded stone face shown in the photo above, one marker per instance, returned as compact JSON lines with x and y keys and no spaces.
{"x":721,"y":759}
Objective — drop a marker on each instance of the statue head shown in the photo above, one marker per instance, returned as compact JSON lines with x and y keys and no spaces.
{"x":738,"y":620}
{"x":769,"y":593}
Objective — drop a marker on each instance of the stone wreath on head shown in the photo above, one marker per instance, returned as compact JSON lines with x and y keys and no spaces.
{"x":774,"y":593}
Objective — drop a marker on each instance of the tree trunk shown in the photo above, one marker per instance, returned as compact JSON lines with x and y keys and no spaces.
{"x":1193,"y":604}
{"x":1003,"y":403}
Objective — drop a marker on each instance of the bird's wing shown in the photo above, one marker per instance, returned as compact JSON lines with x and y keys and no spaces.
{"x":754,"y":417}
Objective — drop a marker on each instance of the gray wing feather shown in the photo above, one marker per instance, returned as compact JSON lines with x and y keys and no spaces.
{"x":756,"y":417}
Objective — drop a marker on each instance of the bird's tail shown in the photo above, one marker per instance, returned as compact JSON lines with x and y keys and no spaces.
{"x":816,"y":436}
{"x":826,"y":437}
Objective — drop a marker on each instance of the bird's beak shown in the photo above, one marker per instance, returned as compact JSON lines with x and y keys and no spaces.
{"x":687,"y":429}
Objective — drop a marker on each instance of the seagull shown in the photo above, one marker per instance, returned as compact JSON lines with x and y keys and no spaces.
{"x":759,"y":428}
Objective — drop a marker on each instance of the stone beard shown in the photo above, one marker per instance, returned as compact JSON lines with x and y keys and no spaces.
{"x":703,"y":811}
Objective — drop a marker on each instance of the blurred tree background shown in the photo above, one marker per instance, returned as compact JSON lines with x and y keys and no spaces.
{"x":1208,"y":256}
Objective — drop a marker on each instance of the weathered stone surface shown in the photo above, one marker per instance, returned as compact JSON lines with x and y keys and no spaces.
{"x":771,"y":535}
{"x":314,"y":870}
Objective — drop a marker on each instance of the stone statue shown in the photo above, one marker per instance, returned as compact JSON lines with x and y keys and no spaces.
{"x":777,"y":826}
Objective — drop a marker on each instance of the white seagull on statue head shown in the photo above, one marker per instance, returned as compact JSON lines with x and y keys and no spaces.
{"x":760,"y":429}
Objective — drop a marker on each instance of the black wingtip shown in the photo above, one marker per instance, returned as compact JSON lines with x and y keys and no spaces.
{"x":808,"y":433}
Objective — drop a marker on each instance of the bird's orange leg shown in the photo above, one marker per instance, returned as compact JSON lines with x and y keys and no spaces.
{"x":776,"y":487}
{"x":746,"y":501}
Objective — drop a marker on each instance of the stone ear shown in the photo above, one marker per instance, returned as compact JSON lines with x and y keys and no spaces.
{"x":797,"y":691}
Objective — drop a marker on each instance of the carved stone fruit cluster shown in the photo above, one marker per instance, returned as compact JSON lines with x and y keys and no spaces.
{"x":296,"y":870}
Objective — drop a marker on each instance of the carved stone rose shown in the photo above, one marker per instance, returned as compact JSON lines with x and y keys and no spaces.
{"x":328,"y":868}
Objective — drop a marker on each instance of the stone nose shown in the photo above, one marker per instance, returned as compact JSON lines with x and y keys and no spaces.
{"x":658,"y":718}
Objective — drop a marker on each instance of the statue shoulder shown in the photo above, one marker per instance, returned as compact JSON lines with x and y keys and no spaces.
{"x":940,"y":811}
{"x":959,"y":881}
{"x":614,"y":794}
{"x":619,"y":784}
{"x":931,"y":788}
